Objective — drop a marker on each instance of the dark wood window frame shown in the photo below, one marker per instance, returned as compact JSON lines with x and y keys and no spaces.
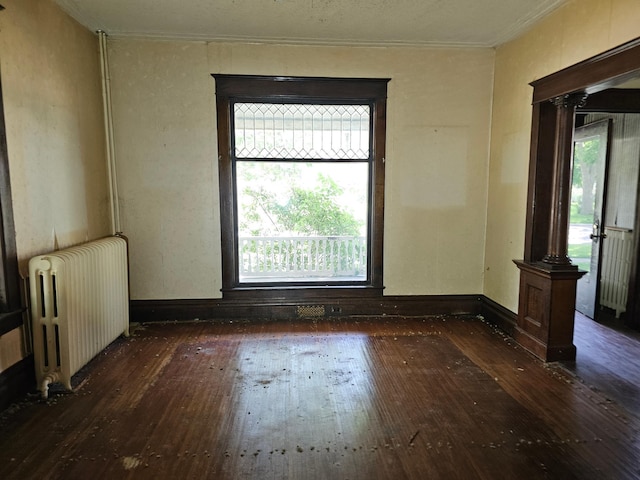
{"x":270,"y":89}
{"x":10,"y":299}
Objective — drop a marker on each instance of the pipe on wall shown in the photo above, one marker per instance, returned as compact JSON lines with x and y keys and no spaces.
{"x":108,"y":125}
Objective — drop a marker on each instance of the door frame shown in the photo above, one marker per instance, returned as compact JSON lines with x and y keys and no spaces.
{"x":605,"y":123}
{"x":547,"y":209}
{"x":624,"y":101}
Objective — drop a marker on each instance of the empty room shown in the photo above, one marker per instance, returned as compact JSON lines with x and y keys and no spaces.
{"x":319,"y":239}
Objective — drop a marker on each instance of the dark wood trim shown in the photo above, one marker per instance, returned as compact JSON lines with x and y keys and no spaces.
{"x":226,"y":190}
{"x":299,"y":293}
{"x":614,"y":100}
{"x":632,"y":314}
{"x":257,"y":86}
{"x":595,"y":74}
{"x":178,"y":310}
{"x":547,"y":299}
{"x":497,"y":315}
{"x":623,"y":101}
{"x":546,"y":310}
{"x":376,"y":221}
{"x":560,"y":191}
{"x":538,"y":225}
{"x":252,"y":88}
{"x":262,"y":309}
{"x":420,"y":305}
{"x":10,"y":299}
{"x":16,"y":381}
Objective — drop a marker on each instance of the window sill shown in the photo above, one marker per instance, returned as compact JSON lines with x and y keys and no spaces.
{"x":301,"y":292}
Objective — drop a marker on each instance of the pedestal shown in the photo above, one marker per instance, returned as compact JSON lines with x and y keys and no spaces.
{"x":546,"y":310}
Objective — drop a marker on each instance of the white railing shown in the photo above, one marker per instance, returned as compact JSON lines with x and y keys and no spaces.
{"x":282,"y":258}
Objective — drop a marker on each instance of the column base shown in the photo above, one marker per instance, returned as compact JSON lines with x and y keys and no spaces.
{"x":546,"y":309}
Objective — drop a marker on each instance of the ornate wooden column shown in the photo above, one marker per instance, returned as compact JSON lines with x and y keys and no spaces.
{"x":546,"y":305}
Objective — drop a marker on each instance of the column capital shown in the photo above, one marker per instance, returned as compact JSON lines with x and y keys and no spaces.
{"x":570,"y":100}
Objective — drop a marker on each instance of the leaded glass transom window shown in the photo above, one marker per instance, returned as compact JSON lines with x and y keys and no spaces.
{"x":301,"y":131}
{"x":301,"y":164}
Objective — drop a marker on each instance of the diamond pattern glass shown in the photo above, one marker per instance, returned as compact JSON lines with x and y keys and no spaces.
{"x":301,"y":131}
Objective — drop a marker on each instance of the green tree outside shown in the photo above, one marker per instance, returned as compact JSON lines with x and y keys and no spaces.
{"x":585,"y":158}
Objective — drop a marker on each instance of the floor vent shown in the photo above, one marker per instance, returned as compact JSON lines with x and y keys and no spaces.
{"x":308,"y":311}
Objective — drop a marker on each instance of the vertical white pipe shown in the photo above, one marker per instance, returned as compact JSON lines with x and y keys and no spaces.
{"x":108,"y":126}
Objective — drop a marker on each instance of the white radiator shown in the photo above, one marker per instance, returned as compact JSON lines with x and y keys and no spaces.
{"x":616,"y":264}
{"x":79,"y":305}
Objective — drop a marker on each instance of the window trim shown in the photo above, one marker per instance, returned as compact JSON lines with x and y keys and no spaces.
{"x":271,"y":89}
{"x":10,"y":299}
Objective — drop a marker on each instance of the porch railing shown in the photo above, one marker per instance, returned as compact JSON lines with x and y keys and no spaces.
{"x":282,"y":258}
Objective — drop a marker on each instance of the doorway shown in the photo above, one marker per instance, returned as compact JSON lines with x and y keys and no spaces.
{"x":587,"y":212}
{"x":547,"y":291}
{"x":602,"y":238}
{"x":597,"y":79}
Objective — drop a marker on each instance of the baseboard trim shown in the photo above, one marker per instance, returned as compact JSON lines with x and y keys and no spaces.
{"x":220,"y":309}
{"x":499,"y":316}
{"x":16,"y":381}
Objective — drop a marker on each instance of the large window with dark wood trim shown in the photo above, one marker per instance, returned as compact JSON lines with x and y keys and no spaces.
{"x":301,"y":165}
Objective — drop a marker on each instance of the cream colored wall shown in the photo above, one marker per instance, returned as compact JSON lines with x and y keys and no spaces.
{"x":55,"y":134}
{"x":11,"y":348}
{"x":50,"y":73}
{"x":437,"y":152}
{"x":575,"y":32}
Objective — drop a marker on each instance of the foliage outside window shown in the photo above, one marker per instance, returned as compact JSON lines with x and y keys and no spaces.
{"x":301,"y":164}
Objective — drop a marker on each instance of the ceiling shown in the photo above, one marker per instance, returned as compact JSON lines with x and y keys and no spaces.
{"x":477,"y":23}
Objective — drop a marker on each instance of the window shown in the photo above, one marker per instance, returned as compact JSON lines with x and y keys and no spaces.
{"x":10,"y":303}
{"x":301,"y":165}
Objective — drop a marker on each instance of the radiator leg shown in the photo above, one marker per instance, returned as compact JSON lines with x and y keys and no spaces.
{"x":46,"y":381}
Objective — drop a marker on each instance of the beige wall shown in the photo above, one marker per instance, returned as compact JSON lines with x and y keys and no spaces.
{"x":53,"y":110}
{"x":55,"y":134}
{"x":437,"y":153}
{"x":578,"y":30}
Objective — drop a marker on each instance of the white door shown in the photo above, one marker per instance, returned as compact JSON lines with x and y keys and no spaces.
{"x":588,"y":196}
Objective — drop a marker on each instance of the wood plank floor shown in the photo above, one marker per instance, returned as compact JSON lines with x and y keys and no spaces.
{"x":608,"y":359}
{"x":388,"y":398}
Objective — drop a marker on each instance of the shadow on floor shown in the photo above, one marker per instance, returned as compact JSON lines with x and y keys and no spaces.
{"x":608,"y":359}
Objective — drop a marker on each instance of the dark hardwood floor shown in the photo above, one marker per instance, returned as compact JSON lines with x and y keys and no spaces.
{"x":386,"y":398}
{"x":608,"y":359}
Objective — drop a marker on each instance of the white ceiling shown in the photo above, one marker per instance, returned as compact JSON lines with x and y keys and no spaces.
{"x":482,"y":23}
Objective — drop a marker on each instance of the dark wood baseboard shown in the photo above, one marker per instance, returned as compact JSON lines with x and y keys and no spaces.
{"x":212,"y":309}
{"x":497,"y":315}
{"x":16,"y":381}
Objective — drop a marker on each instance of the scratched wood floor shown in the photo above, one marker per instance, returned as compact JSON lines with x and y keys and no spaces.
{"x":391,"y":398}
{"x":608,"y":359}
